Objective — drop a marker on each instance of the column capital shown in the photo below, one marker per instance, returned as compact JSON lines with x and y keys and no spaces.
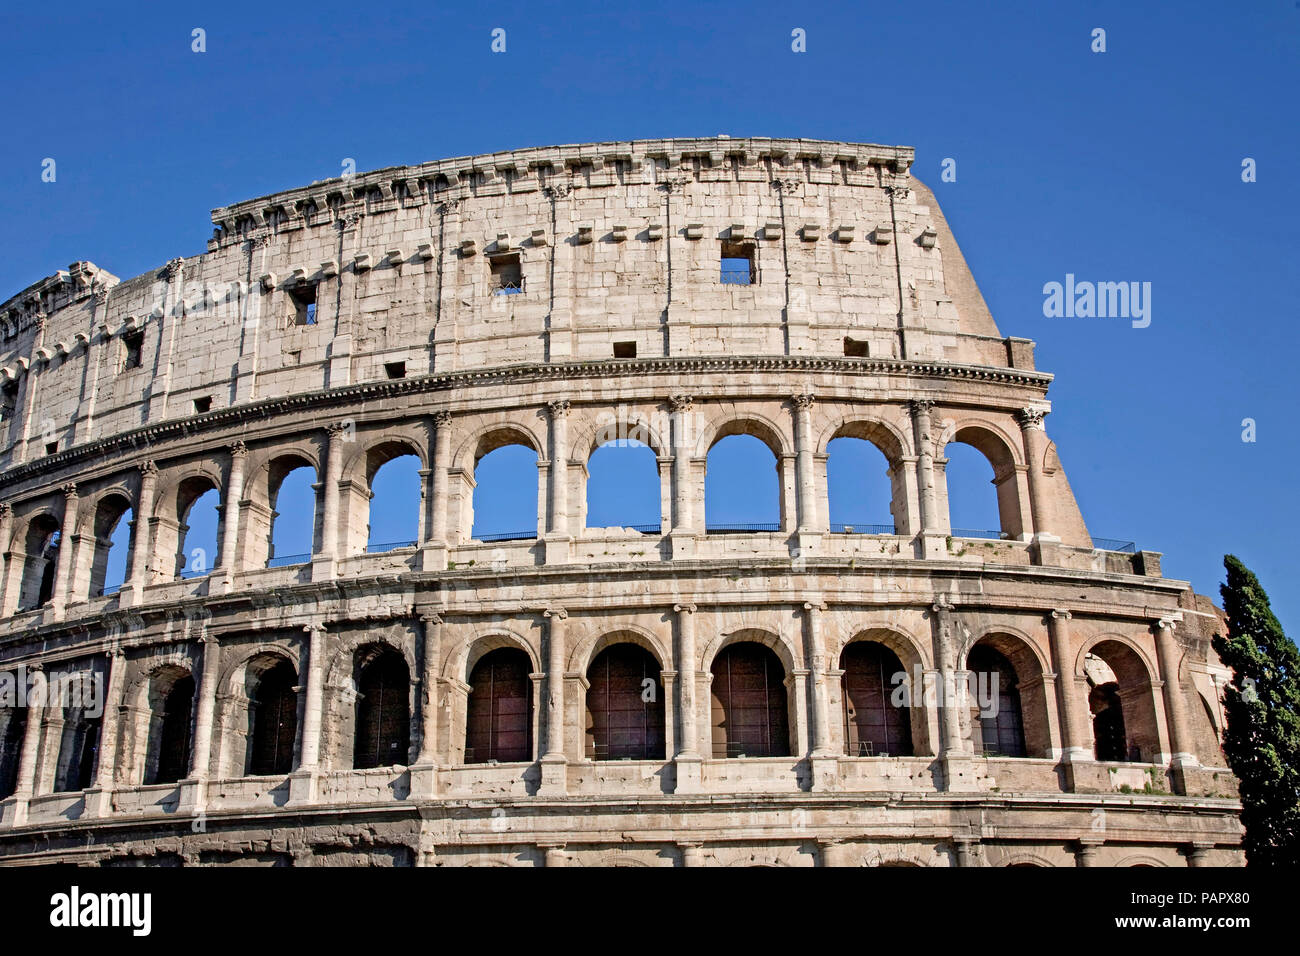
{"x":803,"y":400}
{"x":70,"y":491}
{"x":431,"y":618}
{"x":336,"y":430}
{"x":687,"y":608}
{"x":558,"y":613}
{"x":1060,"y":614}
{"x":1031,"y":417}
{"x":148,"y":469}
{"x":314,"y":628}
{"x":817,"y":605}
{"x":559,"y":408}
{"x":1167,"y":623}
{"x":6,"y":510}
{"x":442,"y":419}
{"x":920,"y":406}
{"x":681,"y":403}
{"x":238,"y":450}
{"x":173,"y":268}
{"x":942,"y":605}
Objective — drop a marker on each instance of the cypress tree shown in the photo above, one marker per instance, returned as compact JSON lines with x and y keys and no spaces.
{"x":1262,"y":740}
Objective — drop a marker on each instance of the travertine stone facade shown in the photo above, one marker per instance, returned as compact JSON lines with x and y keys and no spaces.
{"x":350,"y":321}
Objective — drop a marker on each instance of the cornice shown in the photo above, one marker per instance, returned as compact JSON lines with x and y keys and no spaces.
{"x":147,"y":436}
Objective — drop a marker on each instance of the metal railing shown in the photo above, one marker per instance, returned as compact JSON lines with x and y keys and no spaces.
{"x":192,"y":573}
{"x":843,"y":527}
{"x":978,"y":533}
{"x":388,"y":546}
{"x":507,"y":536}
{"x":1114,"y":544}
{"x":737,"y":275}
{"x":287,"y":559}
{"x":742,"y":528}
{"x":509,"y":288}
{"x":108,"y":589}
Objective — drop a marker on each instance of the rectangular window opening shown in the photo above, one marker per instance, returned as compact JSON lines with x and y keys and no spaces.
{"x":133,"y":343}
{"x":395,"y":369}
{"x":507,"y":274}
{"x":202,"y":405}
{"x":854,"y":348}
{"x":738,"y":265}
{"x":303,"y":297}
{"x":51,"y":447}
{"x":624,"y":350}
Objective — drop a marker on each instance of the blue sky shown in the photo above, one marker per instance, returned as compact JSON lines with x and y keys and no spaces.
{"x":1123,"y":165}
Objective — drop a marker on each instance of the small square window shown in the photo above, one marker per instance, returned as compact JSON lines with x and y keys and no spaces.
{"x":624,"y":350}
{"x":51,"y":447}
{"x":507,"y":275}
{"x":202,"y":405}
{"x":854,"y":348}
{"x":395,"y":369}
{"x":303,"y":297}
{"x":738,"y":263}
{"x":133,"y":344}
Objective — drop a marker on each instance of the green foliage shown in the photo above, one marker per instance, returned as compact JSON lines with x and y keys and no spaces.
{"x":1262,"y":741}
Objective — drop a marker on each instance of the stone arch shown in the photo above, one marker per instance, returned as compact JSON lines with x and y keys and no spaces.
{"x":1025,"y":858}
{"x":730,"y":422}
{"x":592,"y":432}
{"x":1031,"y":667}
{"x":40,"y":557}
{"x":460,"y":662}
{"x":1136,"y":681}
{"x":1004,"y":456}
{"x":380,"y":449}
{"x":781,"y":645}
{"x":596,"y":640}
{"x":1141,"y":859}
{"x":98,"y":518}
{"x":401,"y":706}
{"x":491,"y":436}
{"x":266,"y":475}
{"x":150,"y":694}
{"x":910,"y":653}
{"x":177,"y":494}
{"x":892,"y":442}
{"x":241,"y":679}
{"x":338,"y":669}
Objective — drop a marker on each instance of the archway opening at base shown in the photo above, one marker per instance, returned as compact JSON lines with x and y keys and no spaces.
{"x":749,"y":705}
{"x":625,"y":705}
{"x":383,"y":714}
{"x":998,"y":729}
{"x":171,"y":700}
{"x":499,"y":715}
{"x":877,"y":722}
{"x":273,"y":718}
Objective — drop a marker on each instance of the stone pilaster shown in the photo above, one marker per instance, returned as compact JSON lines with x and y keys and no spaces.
{"x":141,"y":552}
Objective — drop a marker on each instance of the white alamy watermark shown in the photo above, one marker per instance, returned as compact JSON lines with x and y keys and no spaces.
{"x":978,"y":691}
{"x":1103,"y":300}
{"x":20,"y":688}
{"x":75,"y":909}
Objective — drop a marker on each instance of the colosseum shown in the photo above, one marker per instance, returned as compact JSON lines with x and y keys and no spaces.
{"x":684,"y":693}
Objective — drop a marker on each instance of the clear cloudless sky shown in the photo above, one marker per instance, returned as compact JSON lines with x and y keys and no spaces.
{"x":1116,"y":166}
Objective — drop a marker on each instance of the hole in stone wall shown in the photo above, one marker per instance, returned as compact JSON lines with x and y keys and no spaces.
{"x":853,"y":348}
{"x":202,"y":405}
{"x":303,"y":298}
{"x":738,"y":266}
{"x":51,"y":447}
{"x":395,"y":369}
{"x":133,"y":346}
{"x":507,"y":274}
{"x":624,"y":350}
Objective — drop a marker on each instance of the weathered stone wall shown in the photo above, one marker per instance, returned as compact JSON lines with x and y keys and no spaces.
{"x":617,"y":243}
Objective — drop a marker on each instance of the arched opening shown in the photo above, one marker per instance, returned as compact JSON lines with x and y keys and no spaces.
{"x":273,"y":718}
{"x":505,"y":490}
{"x":499,"y":716}
{"x":976,"y":458}
{"x":999,"y":729}
{"x":1110,"y":742}
{"x":198,"y":507}
{"x":623,"y":487}
{"x":625,"y":705}
{"x":874,"y":726}
{"x":393,"y":474}
{"x":863,"y":493}
{"x":294,"y":527}
{"x":42,"y":557}
{"x":383,"y":715}
{"x":77,"y":751}
{"x":110,"y":561}
{"x":171,"y":705}
{"x":13,"y":727}
{"x":1122,"y":703}
{"x":742,"y":485}
{"x":749,"y":705}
